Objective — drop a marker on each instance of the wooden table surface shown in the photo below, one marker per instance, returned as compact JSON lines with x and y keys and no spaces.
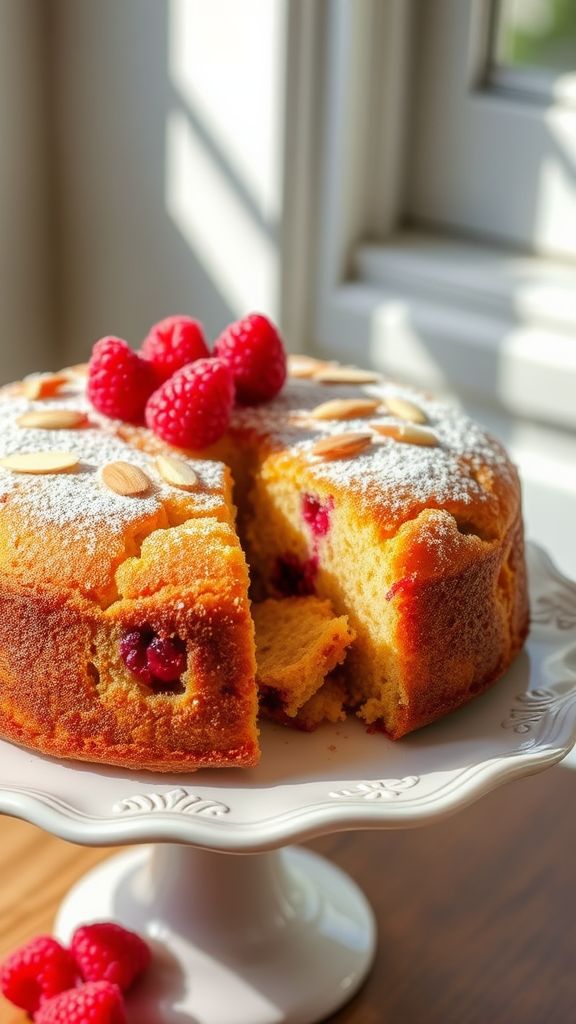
{"x":476,"y":915}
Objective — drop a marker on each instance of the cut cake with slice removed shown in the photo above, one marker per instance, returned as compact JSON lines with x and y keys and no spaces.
{"x":126,"y":635}
{"x":420,"y":544}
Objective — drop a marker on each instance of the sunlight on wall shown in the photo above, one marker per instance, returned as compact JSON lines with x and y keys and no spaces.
{"x":396,"y":337}
{"x":223,"y":185}
{"x":226,"y":60}
{"x":235,"y":252}
{"x":555,"y":213}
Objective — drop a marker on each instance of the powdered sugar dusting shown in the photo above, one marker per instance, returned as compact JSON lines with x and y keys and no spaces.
{"x":393,"y":473}
{"x":80,"y":497}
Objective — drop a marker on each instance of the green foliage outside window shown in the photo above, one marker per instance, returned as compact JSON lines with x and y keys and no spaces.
{"x":537,"y":33}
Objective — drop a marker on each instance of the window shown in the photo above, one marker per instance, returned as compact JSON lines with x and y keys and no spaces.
{"x":494,"y":161}
{"x":448,"y":230}
{"x":535,"y":35}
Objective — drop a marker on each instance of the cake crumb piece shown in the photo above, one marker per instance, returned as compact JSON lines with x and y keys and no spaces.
{"x":299,"y":643}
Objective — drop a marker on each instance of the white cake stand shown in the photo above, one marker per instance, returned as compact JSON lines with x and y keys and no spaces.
{"x":282,"y":935}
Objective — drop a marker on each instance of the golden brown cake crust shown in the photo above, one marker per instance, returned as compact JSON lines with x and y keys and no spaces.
{"x":82,"y":566}
{"x":459,"y":633}
{"x":53,"y":698}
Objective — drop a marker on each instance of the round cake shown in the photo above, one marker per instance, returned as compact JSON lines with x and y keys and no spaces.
{"x":126,"y":635}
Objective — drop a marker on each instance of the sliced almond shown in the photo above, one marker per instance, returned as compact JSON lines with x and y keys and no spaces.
{"x":345,"y":375}
{"x":341,"y":446}
{"x":305,"y":366}
{"x":40,"y":462}
{"x":124,"y":478}
{"x":345,"y":408}
{"x":176,"y":472}
{"x":52,"y":419}
{"x":405,"y":410}
{"x":410,"y":433}
{"x":45,"y":385}
{"x":77,"y":370}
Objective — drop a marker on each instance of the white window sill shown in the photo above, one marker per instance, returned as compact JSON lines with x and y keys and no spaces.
{"x":502,"y":283}
{"x":495,"y":328}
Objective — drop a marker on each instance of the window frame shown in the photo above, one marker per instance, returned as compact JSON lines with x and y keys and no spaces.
{"x":367,"y":304}
{"x":494,"y":161}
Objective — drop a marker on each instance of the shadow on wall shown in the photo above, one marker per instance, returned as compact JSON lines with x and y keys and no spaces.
{"x":158,"y":209}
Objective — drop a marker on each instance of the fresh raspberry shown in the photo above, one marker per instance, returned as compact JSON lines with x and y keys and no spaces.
{"x":172,"y":343}
{"x":192,"y":409}
{"x":120,"y":382}
{"x":99,"y":1002}
{"x":36,"y":972}
{"x":254,"y":352}
{"x":108,"y":952}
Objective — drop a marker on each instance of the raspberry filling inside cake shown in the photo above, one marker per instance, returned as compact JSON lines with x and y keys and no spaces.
{"x":157,"y":661}
{"x":316,"y":514}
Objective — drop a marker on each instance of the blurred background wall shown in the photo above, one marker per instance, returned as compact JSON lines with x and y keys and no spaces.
{"x":142,"y":168}
{"x":27,"y":224}
{"x":169,"y":120}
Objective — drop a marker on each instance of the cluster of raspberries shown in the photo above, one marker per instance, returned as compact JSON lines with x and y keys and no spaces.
{"x":184,"y":393}
{"x":83,"y":984}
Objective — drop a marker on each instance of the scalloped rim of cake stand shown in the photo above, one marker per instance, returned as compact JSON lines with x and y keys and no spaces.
{"x":345,"y":779}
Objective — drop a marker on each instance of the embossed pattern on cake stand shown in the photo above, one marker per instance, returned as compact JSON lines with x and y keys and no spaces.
{"x":282,"y":935}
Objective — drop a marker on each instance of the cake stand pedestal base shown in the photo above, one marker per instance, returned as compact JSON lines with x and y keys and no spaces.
{"x":273,"y":938}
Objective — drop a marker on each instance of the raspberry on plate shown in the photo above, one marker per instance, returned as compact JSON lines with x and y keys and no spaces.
{"x":36,"y":972}
{"x":106,"y":951}
{"x":98,"y":1002}
{"x":192,"y":409}
{"x":172,"y":343}
{"x":254,"y":352}
{"x":120,"y":382}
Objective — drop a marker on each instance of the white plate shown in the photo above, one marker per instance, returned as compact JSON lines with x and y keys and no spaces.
{"x":337,"y":778}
